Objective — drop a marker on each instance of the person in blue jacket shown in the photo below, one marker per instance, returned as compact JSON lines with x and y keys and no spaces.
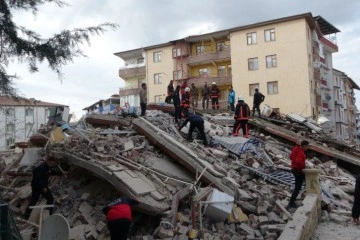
{"x":231,"y":99}
{"x":195,"y":122}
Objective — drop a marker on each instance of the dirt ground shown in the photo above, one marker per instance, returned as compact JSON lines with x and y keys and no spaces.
{"x":335,"y":231}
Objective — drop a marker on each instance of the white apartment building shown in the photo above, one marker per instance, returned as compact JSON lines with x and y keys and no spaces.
{"x":21,"y":117}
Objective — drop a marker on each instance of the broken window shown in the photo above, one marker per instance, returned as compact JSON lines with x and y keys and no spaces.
{"x":200,"y":50}
{"x":203,"y":72}
{"x":221,"y":71}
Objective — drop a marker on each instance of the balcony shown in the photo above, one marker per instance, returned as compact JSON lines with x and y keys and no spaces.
{"x":209,"y":57}
{"x":317,"y":74}
{"x":128,"y":91}
{"x":220,"y":80}
{"x":132,"y":72}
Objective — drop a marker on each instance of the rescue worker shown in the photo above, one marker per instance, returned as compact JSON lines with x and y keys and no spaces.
{"x":185,"y":102}
{"x":205,"y":92}
{"x":298,"y":157}
{"x":119,"y":217}
{"x":170,"y":91}
{"x":143,"y":99}
{"x":40,"y":182}
{"x":231,"y":99}
{"x":258,"y":99}
{"x":194,"y":91}
{"x":177,"y":103}
{"x":242,"y":113}
{"x":214,"y":95}
{"x":195,"y":122}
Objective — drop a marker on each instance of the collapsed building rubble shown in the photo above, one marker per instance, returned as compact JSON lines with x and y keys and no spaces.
{"x":237,"y":189}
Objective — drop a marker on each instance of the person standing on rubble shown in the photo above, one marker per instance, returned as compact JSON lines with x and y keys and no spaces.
{"x":258,"y":99}
{"x":170,"y":92}
{"x":231,"y":99}
{"x":195,"y":122}
{"x":205,"y":91}
{"x":143,"y":99}
{"x":242,"y":113}
{"x":185,"y":101}
{"x":194,"y":91}
{"x":214,"y":95}
{"x":119,"y":217}
{"x":40,"y":182}
{"x":298,"y":158}
{"x":355,"y":213}
{"x":177,"y":102}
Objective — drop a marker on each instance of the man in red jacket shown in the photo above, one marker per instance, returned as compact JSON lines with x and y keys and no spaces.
{"x":298,"y":157}
{"x":118,"y":217}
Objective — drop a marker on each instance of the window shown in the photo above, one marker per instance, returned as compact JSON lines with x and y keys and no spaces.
{"x":157,"y":56}
{"x":157,"y":78}
{"x":221,"y":71}
{"x":9,"y":141}
{"x":10,"y":112}
{"x":229,"y":70}
{"x":251,"y":38}
{"x":220,"y":46}
{"x":10,"y":127}
{"x":176,"y":52}
{"x":157,"y":98}
{"x":272,"y":88}
{"x":253,"y":64}
{"x":140,"y":60}
{"x":252,"y":88}
{"x":177,"y":74}
{"x":203,"y":72}
{"x":28,"y":128}
{"x":29,"y":112}
{"x":200,"y":50}
{"x":269,"y":35}
{"x":271,"y":61}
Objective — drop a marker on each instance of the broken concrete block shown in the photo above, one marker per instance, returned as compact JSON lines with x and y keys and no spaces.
{"x":218,"y":212}
{"x":262,"y":210}
{"x":193,"y":233}
{"x":237,"y":215}
{"x":249,"y":230}
{"x":77,"y":233}
{"x":157,"y":196}
{"x":263,"y":220}
{"x":100,"y":149}
{"x":85,"y":208}
{"x":128,"y":146}
{"x":85,"y":196}
{"x":165,"y":233}
{"x":100,"y":226}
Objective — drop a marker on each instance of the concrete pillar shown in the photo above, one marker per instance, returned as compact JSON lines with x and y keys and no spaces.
{"x":312,"y":177}
{"x":312,"y":181}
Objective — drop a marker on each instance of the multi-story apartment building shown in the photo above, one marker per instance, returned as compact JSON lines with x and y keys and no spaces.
{"x":341,"y":109}
{"x":20,"y":118}
{"x":288,"y":59}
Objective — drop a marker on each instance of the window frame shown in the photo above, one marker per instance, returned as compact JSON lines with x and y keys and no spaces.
{"x":200,"y":49}
{"x":271,"y":37}
{"x":251,"y":38}
{"x":252,"y":87}
{"x":203,"y":74}
{"x":272,"y":84}
{"x":220,"y":46}
{"x":221,"y":70}
{"x":252,"y":64}
{"x":157,"y":78}
{"x":273,"y":61}
{"x":27,"y":110}
{"x":157,"y":56}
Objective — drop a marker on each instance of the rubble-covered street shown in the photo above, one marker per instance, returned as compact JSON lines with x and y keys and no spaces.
{"x":237,"y":188}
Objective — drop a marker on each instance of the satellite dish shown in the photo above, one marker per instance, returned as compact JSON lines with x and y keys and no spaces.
{"x":55,"y":227}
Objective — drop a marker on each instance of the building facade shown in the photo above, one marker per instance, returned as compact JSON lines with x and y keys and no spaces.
{"x":20,"y":118}
{"x":104,"y":106}
{"x":288,"y":59}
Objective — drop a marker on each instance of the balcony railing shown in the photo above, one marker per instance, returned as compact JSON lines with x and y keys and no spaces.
{"x":209,"y":57}
{"x":132,"y":72}
{"x":220,"y":80}
{"x":128,"y":91}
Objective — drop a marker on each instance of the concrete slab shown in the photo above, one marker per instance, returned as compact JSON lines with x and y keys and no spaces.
{"x":122,"y":175}
{"x":31,"y":156}
{"x":138,"y":186}
{"x":115,"y":168}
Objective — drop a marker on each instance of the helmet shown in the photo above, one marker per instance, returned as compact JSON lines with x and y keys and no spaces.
{"x":240,"y":98}
{"x":187,"y":89}
{"x":214,"y":83}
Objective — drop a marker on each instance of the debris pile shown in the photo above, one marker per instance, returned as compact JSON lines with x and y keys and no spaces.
{"x":236,"y":189}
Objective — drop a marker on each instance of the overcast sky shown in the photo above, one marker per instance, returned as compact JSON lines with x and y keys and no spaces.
{"x":147,"y":22}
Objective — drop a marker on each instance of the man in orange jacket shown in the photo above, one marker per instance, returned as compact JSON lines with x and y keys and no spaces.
{"x":298,"y":157}
{"x":118,"y":217}
{"x":242,"y":113}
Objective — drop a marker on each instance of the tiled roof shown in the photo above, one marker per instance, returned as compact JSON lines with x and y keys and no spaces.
{"x":19,"y":101}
